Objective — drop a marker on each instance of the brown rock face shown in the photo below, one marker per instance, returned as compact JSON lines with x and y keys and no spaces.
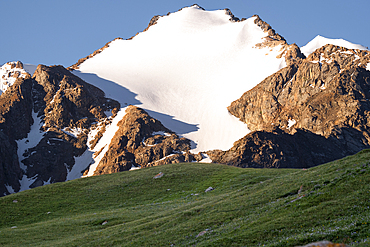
{"x":64,"y":102}
{"x":142,"y":141}
{"x":278,"y":149}
{"x":15,"y":122}
{"x":325,"y":95}
{"x":15,"y":109}
{"x":68,"y":101}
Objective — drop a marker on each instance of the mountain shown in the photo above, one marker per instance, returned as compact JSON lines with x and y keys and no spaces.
{"x":194,"y":86}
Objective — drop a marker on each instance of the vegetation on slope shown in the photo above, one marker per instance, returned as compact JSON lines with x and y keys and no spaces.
{"x":248,"y":207}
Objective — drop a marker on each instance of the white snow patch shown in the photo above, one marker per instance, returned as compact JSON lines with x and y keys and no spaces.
{"x":320,"y":41}
{"x":135,"y":168}
{"x":291,"y":122}
{"x":81,"y":163}
{"x":33,"y":138}
{"x":162,"y":158}
{"x":368,"y":67}
{"x":47,"y":182}
{"x":161,"y":133}
{"x":206,"y":159}
{"x":185,"y":71}
{"x":104,"y":141}
{"x":56,"y":139}
{"x":347,"y":52}
{"x":26,"y":182}
{"x":72,"y":132}
{"x":10,"y":189}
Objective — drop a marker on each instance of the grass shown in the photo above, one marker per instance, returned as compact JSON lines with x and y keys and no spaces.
{"x":248,"y":207}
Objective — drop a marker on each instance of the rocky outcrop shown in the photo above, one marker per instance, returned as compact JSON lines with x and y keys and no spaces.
{"x":278,"y":149}
{"x":16,"y":108}
{"x":15,"y":122}
{"x":68,"y":101}
{"x":142,"y":141}
{"x":325,"y":96}
{"x":67,"y":108}
{"x":65,"y":103}
{"x":291,"y":53}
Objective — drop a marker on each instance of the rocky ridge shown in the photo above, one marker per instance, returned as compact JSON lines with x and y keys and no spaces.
{"x":292,"y":53}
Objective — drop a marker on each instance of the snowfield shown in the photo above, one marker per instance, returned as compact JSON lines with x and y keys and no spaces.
{"x":185,"y":71}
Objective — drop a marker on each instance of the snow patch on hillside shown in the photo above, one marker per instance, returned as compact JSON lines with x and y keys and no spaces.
{"x":81,"y":163}
{"x":320,"y":41}
{"x":368,"y":67}
{"x":102,"y":146}
{"x":186,"y":70}
{"x":33,"y":138}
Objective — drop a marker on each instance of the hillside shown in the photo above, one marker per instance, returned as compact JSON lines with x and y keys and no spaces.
{"x":247,"y":207}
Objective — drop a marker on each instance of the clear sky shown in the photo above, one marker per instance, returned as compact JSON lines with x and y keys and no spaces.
{"x":61,"y":32}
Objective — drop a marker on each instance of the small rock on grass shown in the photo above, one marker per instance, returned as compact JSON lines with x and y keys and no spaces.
{"x":159,"y":175}
{"x":202,"y":233}
{"x":209,"y":189}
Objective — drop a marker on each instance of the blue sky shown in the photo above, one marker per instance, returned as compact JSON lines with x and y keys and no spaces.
{"x":61,"y":32}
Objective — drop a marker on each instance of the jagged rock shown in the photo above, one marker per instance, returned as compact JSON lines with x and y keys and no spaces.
{"x":292,"y":52}
{"x":16,"y":108}
{"x":15,"y":122}
{"x":317,"y":95}
{"x":67,"y":100}
{"x":323,"y":96}
{"x":137,"y":143}
{"x":63,"y":102}
{"x":53,"y":156}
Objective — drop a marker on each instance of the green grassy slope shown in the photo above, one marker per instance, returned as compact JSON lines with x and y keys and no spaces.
{"x":248,"y":207}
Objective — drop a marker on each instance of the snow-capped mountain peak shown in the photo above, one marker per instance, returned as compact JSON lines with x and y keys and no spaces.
{"x":187,"y":68}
